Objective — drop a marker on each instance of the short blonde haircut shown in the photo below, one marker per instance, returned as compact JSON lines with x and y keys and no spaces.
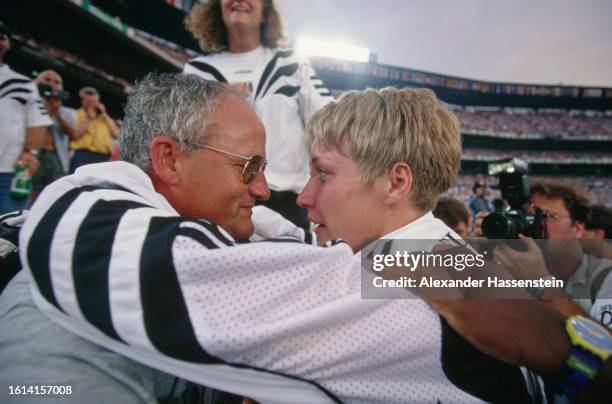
{"x":205,"y":22}
{"x":383,"y":127}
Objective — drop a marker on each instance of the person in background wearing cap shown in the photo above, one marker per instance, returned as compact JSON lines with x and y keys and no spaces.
{"x":92,"y":141}
{"x":23,"y":122}
{"x":53,"y":157}
{"x":478,"y":202}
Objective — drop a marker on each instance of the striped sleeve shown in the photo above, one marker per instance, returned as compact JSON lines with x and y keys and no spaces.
{"x":205,"y":70}
{"x":313,"y":94}
{"x":179,"y":295}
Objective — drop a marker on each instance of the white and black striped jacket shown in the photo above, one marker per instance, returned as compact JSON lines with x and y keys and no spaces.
{"x":278,"y":321}
{"x":20,"y":108}
{"x":286,"y":93}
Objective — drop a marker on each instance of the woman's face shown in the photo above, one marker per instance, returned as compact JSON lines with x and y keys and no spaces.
{"x":339,"y":203}
{"x":244,"y":14}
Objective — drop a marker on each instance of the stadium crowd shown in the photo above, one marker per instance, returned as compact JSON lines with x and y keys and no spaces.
{"x":156,"y":278}
{"x":525,"y":122}
{"x":71,"y":58}
{"x":538,"y":155}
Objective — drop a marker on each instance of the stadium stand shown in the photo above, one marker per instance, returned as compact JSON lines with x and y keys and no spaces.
{"x":526,"y":123}
{"x":562,"y":131}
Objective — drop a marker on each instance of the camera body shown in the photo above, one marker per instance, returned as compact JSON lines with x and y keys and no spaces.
{"x":514,"y":187}
{"x":47,"y":91}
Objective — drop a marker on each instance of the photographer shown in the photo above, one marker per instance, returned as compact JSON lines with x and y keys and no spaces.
{"x":587,"y":279}
{"x":53,"y":156}
{"x":93,"y":139}
{"x":585,"y":275}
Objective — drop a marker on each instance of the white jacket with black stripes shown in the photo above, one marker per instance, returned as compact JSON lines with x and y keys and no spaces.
{"x":286,"y":93}
{"x":280,"y":321}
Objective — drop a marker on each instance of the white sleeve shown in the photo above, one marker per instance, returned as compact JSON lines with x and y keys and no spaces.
{"x":270,"y":224}
{"x":313,"y":94}
{"x":36,"y":113}
{"x":69,"y":115}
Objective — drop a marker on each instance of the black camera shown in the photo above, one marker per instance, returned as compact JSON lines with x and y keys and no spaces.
{"x":514,"y":186}
{"x":47,"y":91}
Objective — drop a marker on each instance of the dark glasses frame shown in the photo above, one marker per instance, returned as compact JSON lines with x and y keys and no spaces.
{"x":254,"y":164}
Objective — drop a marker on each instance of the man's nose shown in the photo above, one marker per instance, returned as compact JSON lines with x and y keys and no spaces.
{"x":259,"y":187}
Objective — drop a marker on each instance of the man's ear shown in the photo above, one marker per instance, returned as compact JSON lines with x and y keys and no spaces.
{"x":579,"y":229}
{"x":400,"y":182}
{"x":164,"y":153}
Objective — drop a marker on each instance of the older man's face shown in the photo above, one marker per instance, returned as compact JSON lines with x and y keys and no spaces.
{"x":213,"y":181}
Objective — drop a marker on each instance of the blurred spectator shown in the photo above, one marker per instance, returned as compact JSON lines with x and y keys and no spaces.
{"x":599,"y":188}
{"x":599,"y":223}
{"x":455,"y":215}
{"x":478,"y":201}
{"x":478,"y":219}
{"x":53,"y":156}
{"x":245,"y":38}
{"x":23,"y":122}
{"x":597,"y":237}
{"x":95,"y":131}
{"x":50,"y":51}
{"x":173,"y":50}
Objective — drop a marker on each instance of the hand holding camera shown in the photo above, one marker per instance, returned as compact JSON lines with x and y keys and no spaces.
{"x":52,"y":98}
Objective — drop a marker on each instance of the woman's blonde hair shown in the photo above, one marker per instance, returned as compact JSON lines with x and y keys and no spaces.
{"x":383,"y":127}
{"x":205,"y":23}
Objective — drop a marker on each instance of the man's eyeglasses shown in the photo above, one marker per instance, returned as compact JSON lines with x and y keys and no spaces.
{"x":554,"y":216}
{"x":551,"y":216}
{"x":254,"y":164}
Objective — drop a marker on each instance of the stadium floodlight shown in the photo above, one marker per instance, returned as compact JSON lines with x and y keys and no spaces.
{"x":336,"y":50}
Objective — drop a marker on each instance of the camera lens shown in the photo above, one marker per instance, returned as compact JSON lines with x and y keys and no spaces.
{"x":497,"y":226}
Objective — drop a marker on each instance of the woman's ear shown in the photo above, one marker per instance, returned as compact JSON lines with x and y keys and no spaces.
{"x":400,"y":182}
{"x":164,"y":152}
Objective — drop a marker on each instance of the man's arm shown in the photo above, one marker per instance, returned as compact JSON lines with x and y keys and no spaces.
{"x":34,"y":139}
{"x":530,"y":264}
{"x":67,"y":127}
{"x":110,"y":122}
{"x":519,"y":332}
{"x":80,"y":129}
{"x":201,"y":301}
{"x":37,"y":122}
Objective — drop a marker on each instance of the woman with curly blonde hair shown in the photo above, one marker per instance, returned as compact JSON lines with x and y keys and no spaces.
{"x":243,"y":44}
{"x":206,"y":24}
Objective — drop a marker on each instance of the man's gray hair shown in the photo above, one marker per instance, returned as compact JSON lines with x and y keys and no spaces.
{"x":168,"y":104}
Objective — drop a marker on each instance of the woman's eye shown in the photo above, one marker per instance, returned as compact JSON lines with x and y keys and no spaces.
{"x":322,"y":175}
